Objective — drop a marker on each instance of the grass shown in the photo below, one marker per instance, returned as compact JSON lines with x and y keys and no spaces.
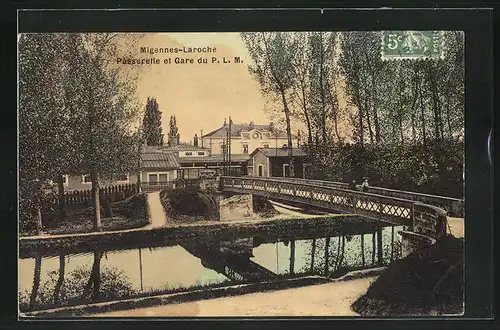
{"x":199,"y":292}
{"x":127,"y":214}
{"x":208,"y":289}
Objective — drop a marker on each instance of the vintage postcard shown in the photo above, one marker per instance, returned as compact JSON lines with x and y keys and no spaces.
{"x":241,"y":174}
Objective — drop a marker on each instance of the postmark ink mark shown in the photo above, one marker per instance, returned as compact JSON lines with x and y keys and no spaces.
{"x":412,"y":45}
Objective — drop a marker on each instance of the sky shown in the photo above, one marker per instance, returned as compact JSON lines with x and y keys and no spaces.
{"x":200,"y":95}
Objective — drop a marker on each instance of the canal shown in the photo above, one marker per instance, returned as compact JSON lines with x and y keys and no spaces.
{"x":113,"y":273}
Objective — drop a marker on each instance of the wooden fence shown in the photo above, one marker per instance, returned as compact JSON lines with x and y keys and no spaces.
{"x":84,"y":198}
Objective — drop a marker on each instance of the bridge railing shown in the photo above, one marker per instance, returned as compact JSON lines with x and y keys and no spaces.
{"x":453,"y":206}
{"x":384,"y":208}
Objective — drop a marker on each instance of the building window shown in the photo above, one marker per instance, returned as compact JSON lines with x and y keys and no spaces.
{"x":163,"y":178}
{"x":157,"y":178}
{"x":86,"y":179}
{"x":189,"y":153}
{"x":153,"y":179}
{"x":285,"y":146}
{"x":266,"y":145}
{"x":245,"y":148}
{"x":201,"y":153}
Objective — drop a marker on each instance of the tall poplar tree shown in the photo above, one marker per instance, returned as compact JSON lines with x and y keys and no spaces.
{"x":152,"y":123}
{"x":173,"y":132}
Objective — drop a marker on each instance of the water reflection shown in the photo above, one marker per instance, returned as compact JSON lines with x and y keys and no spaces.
{"x":103,"y":275}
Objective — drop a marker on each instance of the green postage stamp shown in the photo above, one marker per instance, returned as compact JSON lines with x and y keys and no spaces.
{"x":401,"y":45}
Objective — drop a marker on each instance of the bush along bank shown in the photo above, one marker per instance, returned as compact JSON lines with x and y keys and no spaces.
{"x":427,"y":282}
{"x":189,"y":204}
{"x":205,"y":293}
{"x":434,"y":168}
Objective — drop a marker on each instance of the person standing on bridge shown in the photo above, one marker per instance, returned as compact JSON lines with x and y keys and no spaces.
{"x":365,"y":185}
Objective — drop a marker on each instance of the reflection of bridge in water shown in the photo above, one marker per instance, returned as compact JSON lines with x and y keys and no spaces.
{"x":230,"y":258}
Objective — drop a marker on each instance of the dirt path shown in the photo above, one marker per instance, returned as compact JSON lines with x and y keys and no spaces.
{"x":157,"y":216}
{"x":332,"y":299}
{"x":456,"y":227}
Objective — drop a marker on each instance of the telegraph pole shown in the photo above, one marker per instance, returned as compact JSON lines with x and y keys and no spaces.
{"x":224,"y":151}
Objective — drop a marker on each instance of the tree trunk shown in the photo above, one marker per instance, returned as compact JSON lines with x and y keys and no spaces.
{"x":335,"y":113}
{"x":292,"y":256}
{"x":97,"y":276}
{"x":313,"y":252}
{"x":306,"y":115}
{"x":448,"y":119}
{"x":327,"y":246}
{"x":62,"y":200}
{"x":368,"y":122}
{"x":422,"y":117}
{"x":60,"y":279}
{"x":94,"y":276}
{"x":363,"y":249}
{"x":39,"y":224}
{"x":380,"y":252}
{"x":402,"y":101}
{"x":342,"y":251}
{"x":322,"y":91}
{"x":339,"y":246}
{"x":436,"y":103}
{"x":288,"y":133}
{"x":97,"y":203}
{"x":139,"y":170}
{"x":374,"y":247}
{"x":360,"y":115}
{"x":392,"y":243}
{"x":36,"y":281}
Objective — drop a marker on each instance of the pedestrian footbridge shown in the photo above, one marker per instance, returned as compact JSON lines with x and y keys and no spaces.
{"x":422,"y":218}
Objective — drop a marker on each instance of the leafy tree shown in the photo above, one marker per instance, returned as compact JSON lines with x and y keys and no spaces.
{"x":173,"y":132}
{"x":273,"y":54}
{"x":152,"y":123}
{"x":84,"y":125}
{"x":103,"y":100}
{"x":45,"y":149}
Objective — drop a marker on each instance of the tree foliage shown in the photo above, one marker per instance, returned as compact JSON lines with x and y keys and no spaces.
{"x":401,"y":117}
{"x":173,"y":132}
{"x":273,"y":54}
{"x":76,"y":111}
{"x":152,"y":123}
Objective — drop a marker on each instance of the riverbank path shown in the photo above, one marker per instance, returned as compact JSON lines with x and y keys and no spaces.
{"x":157,"y":217}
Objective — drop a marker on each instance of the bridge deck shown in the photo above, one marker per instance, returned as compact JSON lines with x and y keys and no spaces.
{"x":425,"y":219}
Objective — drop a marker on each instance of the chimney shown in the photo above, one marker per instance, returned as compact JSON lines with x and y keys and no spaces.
{"x":195,"y":140}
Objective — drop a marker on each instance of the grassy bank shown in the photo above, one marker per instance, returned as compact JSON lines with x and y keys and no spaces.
{"x":126,"y":214}
{"x":193,"y":295}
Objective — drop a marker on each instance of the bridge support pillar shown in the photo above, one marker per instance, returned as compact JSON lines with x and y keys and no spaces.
{"x":237,"y":207}
{"x":411,"y":242}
